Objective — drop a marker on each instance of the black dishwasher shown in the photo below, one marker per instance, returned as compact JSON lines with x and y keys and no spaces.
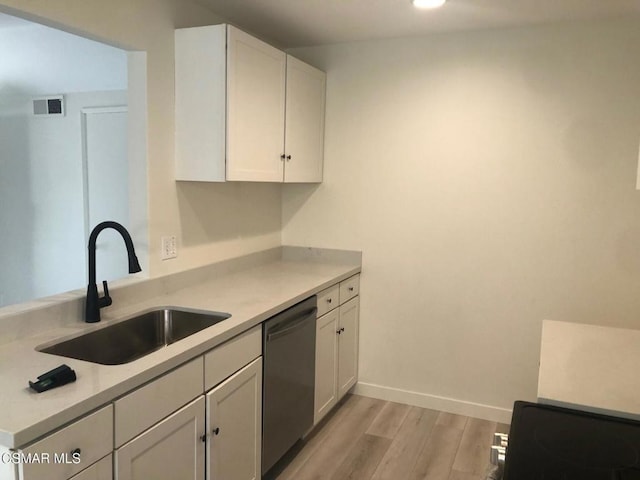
{"x":289,"y":359}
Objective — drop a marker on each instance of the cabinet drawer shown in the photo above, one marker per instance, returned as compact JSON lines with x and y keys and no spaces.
{"x":149,"y":404}
{"x":91,"y":437}
{"x":349,"y":288}
{"x":328,"y":299}
{"x":231,"y":356}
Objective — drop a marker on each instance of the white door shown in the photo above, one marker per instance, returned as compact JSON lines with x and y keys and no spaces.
{"x":348,"y":346}
{"x":172,"y":449}
{"x":107,"y":184}
{"x":234,"y":420}
{"x":255,"y":109}
{"x":304,"y":130}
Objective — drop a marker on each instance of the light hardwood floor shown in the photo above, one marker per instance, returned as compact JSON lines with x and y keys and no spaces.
{"x":364,"y":438}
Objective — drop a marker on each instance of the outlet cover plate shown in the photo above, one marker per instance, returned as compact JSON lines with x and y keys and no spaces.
{"x":169,"y":248}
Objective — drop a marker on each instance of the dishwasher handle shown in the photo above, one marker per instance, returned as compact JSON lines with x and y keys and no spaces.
{"x":292,"y":326}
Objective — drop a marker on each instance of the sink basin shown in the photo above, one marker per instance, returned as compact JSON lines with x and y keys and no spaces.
{"x":135,"y":337}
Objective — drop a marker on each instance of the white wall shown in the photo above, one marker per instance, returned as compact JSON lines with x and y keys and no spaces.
{"x":41,"y":197}
{"x":489,"y":179}
{"x":208,"y":220}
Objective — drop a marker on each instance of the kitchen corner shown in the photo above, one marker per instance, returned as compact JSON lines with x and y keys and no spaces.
{"x":251,"y":288}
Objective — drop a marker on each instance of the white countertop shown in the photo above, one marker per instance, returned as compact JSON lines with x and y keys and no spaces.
{"x":591,"y":368}
{"x":250,"y":295}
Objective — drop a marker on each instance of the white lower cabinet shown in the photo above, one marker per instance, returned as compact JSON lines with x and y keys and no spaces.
{"x":348,"y":346}
{"x":216,"y":436}
{"x":101,"y":470}
{"x":337,"y":339}
{"x":172,"y":449}
{"x":234,"y":421}
{"x":326,"y":394}
{"x":71,"y":449}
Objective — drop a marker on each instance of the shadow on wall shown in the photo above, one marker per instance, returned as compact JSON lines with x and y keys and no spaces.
{"x":297,"y":197}
{"x":214,"y":212}
{"x":16,"y":200}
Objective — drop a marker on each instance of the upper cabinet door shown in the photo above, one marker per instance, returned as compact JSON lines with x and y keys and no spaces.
{"x":304,"y":131}
{"x":201,"y":98}
{"x":256,"y":77}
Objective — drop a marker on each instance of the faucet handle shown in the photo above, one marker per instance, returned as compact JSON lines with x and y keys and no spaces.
{"x":106,"y":300}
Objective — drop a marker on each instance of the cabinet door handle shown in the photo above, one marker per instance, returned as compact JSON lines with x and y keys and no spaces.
{"x":216,"y":431}
{"x":203,"y":437}
{"x":288,"y":157}
{"x":340,"y":330}
{"x":329,"y":300}
{"x":282,"y":157}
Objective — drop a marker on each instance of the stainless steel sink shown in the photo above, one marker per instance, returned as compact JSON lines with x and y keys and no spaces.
{"x":135,"y":337}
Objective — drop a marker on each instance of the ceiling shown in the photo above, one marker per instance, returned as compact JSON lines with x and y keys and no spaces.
{"x":295,"y":23}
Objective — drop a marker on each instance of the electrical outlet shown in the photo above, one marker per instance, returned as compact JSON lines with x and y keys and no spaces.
{"x":169,"y":248}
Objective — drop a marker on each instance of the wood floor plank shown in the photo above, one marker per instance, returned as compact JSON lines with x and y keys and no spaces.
{"x":475,"y":445}
{"x":407,"y":445}
{"x":330,"y":453}
{"x":388,"y":421}
{"x":455,"y":475}
{"x":452,"y":420}
{"x":301,"y":453}
{"x":369,"y":439}
{"x":438,"y":454}
{"x":363,"y":458}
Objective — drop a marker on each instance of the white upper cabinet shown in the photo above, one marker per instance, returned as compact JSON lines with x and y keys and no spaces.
{"x":245,"y":111}
{"x":304,"y":131}
{"x":201,"y":97}
{"x":256,"y":79}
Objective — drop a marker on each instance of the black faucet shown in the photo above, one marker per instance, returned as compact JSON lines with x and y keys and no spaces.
{"x":94,"y":301}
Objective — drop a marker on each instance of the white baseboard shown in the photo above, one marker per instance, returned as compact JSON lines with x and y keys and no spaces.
{"x":434,"y":402}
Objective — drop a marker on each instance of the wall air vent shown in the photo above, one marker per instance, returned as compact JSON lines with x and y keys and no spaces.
{"x":48,"y":106}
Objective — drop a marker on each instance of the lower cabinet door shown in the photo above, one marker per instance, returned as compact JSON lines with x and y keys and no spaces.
{"x":234,"y":418}
{"x":326,"y":391}
{"x":170,"y":450}
{"x":348,"y":346}
{"x":101,"y":470}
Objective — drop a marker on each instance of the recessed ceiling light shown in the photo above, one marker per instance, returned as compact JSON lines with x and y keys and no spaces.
{"x":428,"y":3}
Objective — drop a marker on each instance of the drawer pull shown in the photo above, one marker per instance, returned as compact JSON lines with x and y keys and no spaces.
{"x":328,"y":300}
{"x":76,"y":451}
{"x":216,"y":431}
{"x":351,"y":289}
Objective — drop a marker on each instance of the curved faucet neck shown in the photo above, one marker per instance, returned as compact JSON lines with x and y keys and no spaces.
{"x":94,"y":302}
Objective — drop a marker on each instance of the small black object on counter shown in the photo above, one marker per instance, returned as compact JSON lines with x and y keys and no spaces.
{"x":54,"y":378}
